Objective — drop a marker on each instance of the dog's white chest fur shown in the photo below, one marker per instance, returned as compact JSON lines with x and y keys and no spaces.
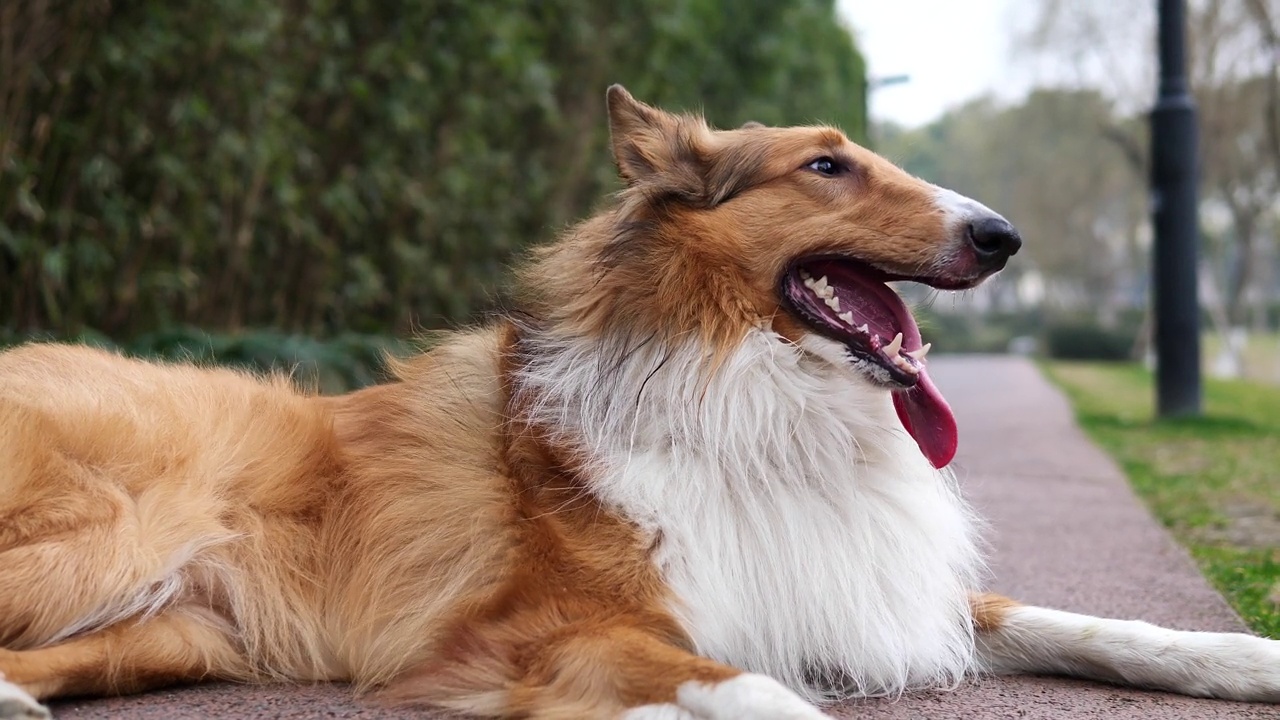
{"x":801,"y":531}
{"x":854,"y":594}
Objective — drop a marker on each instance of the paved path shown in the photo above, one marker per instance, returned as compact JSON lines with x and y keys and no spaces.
{"x":1066,"y":532}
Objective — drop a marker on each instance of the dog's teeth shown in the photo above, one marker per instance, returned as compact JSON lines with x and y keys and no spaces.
{"x":861,"y":328}
{"x":805,"y":274}
{"x":919,"y":354}
{"x":824,"y":291}
{"x":892,"y":348}
{"x":833,"y":302}
{"x":821,"y":288}
{"x":847,"y":317}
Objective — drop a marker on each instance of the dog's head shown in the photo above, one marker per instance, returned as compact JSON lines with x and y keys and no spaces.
{"x":793,"y":229}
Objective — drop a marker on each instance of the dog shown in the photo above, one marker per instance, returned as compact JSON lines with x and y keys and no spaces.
{"x":698,"y":473}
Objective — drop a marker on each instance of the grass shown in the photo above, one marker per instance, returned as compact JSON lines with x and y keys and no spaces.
{"x":1213,"y":481}
{"x":1260,"y":358}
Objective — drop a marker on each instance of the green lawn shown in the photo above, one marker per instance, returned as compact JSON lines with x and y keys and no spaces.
{"x":1214,"y":481}
{"x":1260,"y":358}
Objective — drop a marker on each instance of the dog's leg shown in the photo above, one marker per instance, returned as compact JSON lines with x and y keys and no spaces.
{"x":178,"y":645}
{"x":1015,"y":638}
{"x":611,"y":672}
{"x":80,"y":546}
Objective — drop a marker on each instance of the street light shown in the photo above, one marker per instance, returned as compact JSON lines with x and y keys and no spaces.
{"x":873,"y":84}
{"x":887,"y":80}
{"x":1174,"y":214}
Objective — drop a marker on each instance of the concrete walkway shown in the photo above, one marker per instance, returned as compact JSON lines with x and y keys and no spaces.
{"x":1066,"y":532}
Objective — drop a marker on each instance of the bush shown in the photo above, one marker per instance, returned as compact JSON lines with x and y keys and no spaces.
{"x":976,"y":333}
{"x":327,"y":166}
{"x":1087,"y":341}
{"x":345,"y":362}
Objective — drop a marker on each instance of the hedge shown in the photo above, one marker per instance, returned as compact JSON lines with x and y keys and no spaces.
{"x":327,"y":167}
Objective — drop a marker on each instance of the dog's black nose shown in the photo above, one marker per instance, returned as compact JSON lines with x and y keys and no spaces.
{"x":994,"y":240}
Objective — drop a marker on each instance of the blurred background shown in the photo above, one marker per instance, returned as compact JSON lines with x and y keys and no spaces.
{"x":306,"y":183}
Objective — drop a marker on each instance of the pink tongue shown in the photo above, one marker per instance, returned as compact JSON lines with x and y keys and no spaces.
{"x":929,"y":420}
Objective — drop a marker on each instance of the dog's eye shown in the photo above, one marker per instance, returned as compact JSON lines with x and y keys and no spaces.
{"x":826,"y":166}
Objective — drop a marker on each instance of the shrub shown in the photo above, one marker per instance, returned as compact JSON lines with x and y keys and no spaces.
{"x":345,"y":362}
{"x":1082,"y":340}
{"x":327,"y":166}
{"x":976,"y":333}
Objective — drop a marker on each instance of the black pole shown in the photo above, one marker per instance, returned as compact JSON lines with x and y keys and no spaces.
{"x":1174,"y":213}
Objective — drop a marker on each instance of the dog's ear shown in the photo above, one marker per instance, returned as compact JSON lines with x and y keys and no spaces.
{"x":641,"y":136}
{"x":674,"y":156}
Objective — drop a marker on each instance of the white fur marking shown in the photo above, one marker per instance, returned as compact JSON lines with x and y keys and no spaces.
{"x":802,"y":532}
{"x":16,"y":703}
{"x":959,"y":208}
{"x":745,"y":697}
{"x":1224,"y":665}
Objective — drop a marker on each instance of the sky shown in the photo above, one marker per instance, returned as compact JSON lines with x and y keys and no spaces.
{"x":954,"y":50}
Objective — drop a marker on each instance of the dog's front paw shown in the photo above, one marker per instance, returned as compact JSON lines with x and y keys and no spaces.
{"x":745,"y":697}
{"x":16,"y":704}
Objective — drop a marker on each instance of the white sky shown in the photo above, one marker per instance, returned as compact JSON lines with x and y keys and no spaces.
{"x":954,"y":50}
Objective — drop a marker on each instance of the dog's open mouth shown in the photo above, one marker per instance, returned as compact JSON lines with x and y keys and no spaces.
{"x":849,"y":302}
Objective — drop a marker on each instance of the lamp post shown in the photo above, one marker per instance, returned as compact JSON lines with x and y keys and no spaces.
{"x":873,"y":84}
{"x":886,"y":80}
{"x":1175,"y":217}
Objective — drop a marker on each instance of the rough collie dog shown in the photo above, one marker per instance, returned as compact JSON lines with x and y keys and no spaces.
{"x":695,"y":476}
